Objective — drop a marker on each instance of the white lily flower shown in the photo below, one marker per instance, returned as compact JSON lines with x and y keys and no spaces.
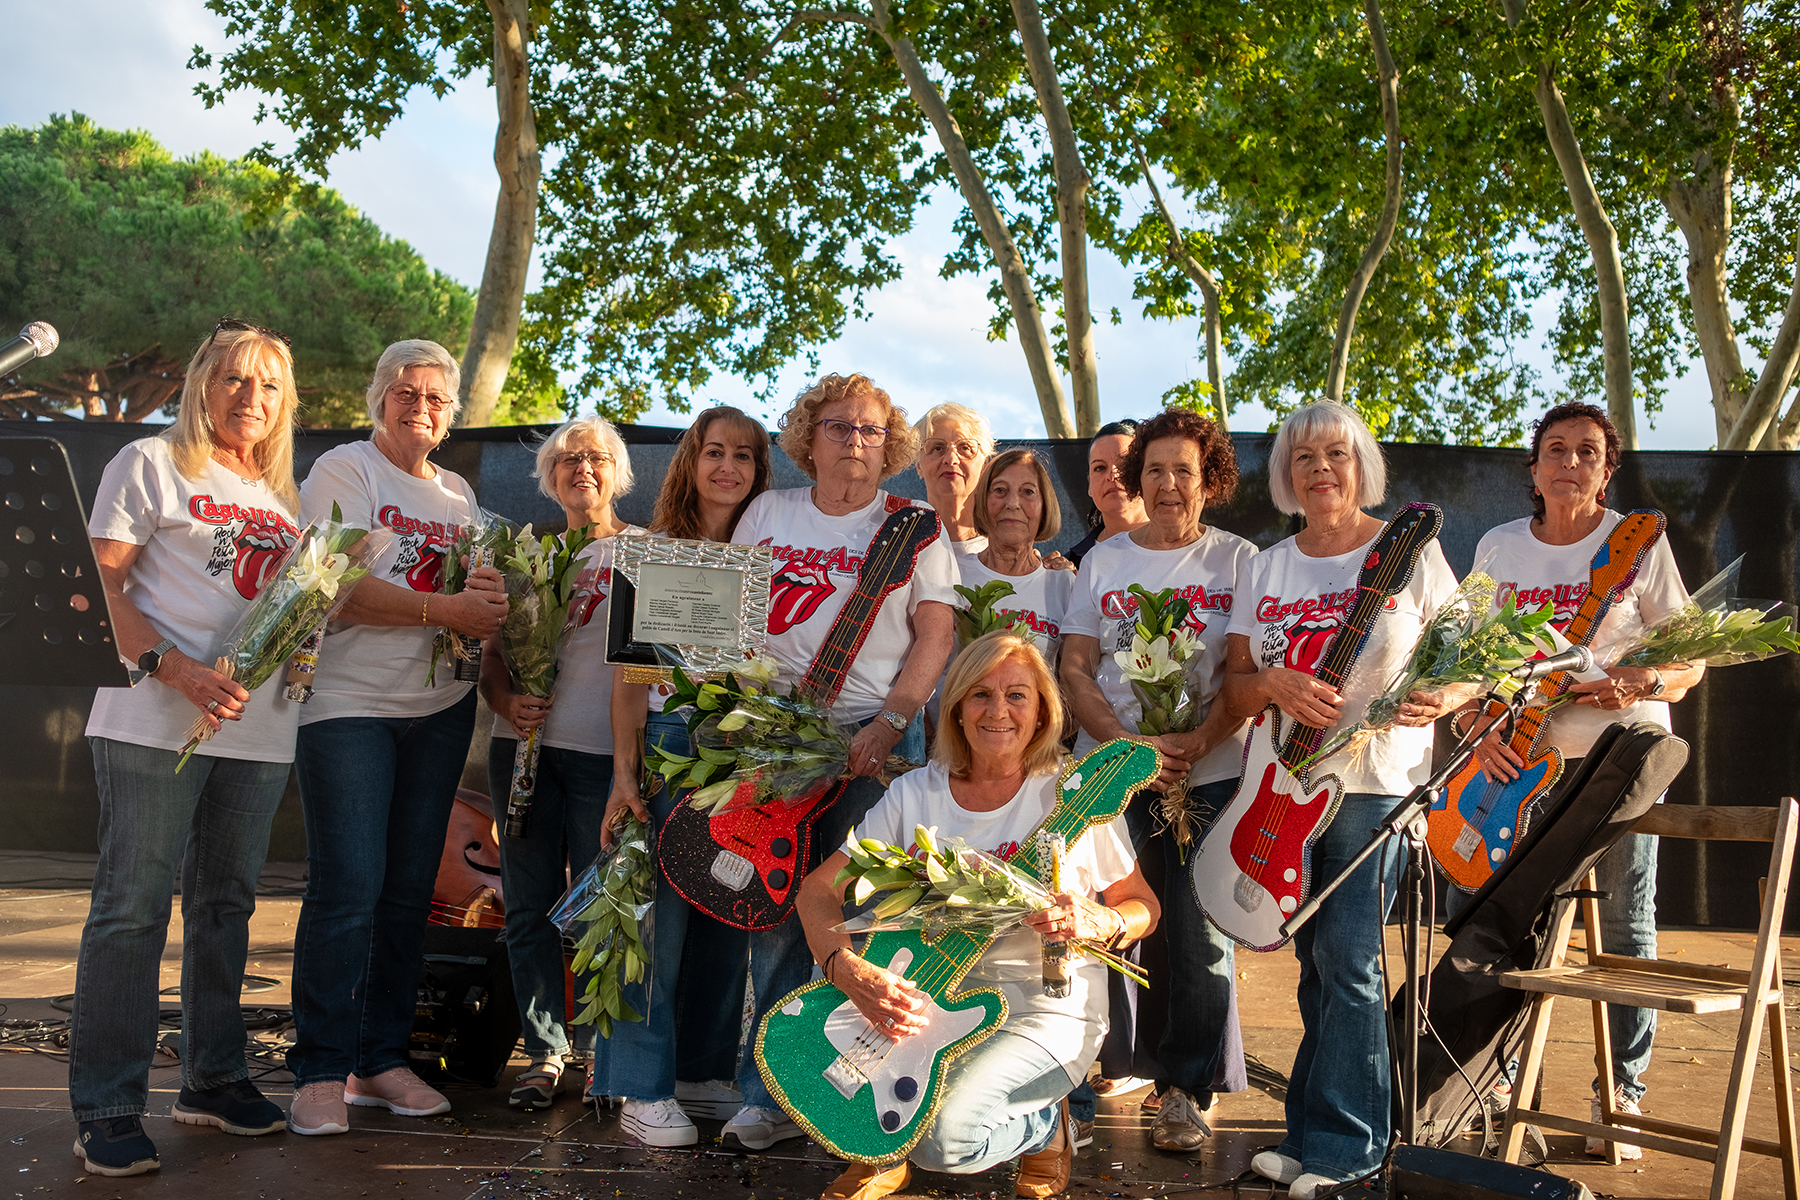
{"x":1185,"y":644}
{"x":1146,"y":662}
{"x":316,"y":570}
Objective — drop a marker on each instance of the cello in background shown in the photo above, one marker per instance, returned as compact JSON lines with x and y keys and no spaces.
{"x":468,"y":891}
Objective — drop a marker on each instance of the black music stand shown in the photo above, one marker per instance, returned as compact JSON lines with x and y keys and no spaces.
{"x":55,"y":626}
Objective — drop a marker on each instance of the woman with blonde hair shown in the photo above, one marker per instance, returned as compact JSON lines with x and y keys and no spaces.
{"x":955,"y":442}
{"x":849,"y":436}
{"x":381,"y":749}
{"x":185,"y":527}
{"x":583,"y":466}
{"x":992,"y":783}
{"x":680,"y":1061}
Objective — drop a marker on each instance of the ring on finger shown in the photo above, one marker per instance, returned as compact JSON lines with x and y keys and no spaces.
{"x":212,"y":706}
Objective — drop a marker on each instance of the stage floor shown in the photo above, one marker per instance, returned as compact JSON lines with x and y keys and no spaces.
{"x":484,"y":1150}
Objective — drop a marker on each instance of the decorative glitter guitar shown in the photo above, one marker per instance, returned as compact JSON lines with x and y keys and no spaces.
{"x":1479,"y":820}
{"x":869,"y":1098}
{"x":1254,"y":866}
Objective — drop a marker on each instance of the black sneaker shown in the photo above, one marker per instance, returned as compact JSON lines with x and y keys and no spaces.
{"x":234,"y":1107}
{"x":116,"y":1146}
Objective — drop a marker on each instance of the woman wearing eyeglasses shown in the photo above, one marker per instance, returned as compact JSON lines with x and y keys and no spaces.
{"x":584,"y":467}
{"x":954,"y":444}
{"x":848,"y":436}
{"x":381,"y":749}
{"x":185,"y":526}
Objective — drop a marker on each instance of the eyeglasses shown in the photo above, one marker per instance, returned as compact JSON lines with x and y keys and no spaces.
{"x":233,"y":325}
{"x":409,"y":397}
{"x":967,"y":451}
{"x":592,"y":458}
{"x":840,"y":431}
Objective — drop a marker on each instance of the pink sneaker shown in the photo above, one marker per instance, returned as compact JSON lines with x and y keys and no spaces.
{"x":318,"y":1108}
{"x":398,"y":1091}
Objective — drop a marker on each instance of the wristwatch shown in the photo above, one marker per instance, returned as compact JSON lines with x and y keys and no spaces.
{"x":149,"y":661}
{"x":895,"y":721}
{"x":1662,"y":685}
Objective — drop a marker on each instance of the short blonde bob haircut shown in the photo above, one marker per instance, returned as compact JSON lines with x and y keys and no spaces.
{"x":573,"y":435}
{"x":1049,"y":521}
{"x":413,"y":352}
{"x":801,"y":422}
{"x":190,"y":438}
{"x":1043,"y":754}
{"x":963,"y":417}
{"x":1325,"y":420}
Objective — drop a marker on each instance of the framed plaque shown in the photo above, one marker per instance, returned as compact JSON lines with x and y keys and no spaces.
{"x":707,"y":602}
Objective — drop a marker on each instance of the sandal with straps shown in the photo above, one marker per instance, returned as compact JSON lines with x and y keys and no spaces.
{"x":536,"y":1086}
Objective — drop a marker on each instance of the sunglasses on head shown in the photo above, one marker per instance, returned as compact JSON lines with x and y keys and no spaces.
{"x":233,"y":325}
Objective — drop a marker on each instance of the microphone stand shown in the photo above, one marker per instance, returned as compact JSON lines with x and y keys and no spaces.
{"x":1406,"y":820}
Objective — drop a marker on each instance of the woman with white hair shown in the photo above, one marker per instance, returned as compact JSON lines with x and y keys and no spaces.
{"x":1326,"y":465}
{"x":381,"y":749}
{"x":584,"y":467}
{"x":955,"y":442}
{"x":185,"y":526}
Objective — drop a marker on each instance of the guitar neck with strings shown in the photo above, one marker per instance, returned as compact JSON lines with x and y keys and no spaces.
{"x":895,"y":546}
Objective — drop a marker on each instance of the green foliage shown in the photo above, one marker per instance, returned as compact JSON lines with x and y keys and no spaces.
{"x":121,"y":246}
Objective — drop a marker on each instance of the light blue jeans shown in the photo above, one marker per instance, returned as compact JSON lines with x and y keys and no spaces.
{"x":692,"y":1015}
{"x":212,"y":823}
{"x":561,"y":838}
{"x":999,"y":1102}
{"x":1339,"y":1111}
{"x":1628,"y":926}
{"x":779,"y":958}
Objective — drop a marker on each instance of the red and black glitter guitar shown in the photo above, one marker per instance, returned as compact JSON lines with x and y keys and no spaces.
{"x":744,"y":867}
{"x":1254,"y":866}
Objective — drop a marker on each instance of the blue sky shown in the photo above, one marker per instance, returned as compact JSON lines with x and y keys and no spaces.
{"x":431,"y":181}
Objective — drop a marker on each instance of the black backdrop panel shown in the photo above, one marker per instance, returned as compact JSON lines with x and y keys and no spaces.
{"x":1741,"y":721}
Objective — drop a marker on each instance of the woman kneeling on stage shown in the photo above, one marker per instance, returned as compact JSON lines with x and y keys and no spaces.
{"x":992,"y":782}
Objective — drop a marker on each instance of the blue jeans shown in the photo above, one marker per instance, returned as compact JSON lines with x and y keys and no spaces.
{"x":1628,"y":926}
{"x":1339,"y":1110}
{"x":779,"y":958}
{"x":561,"y":838}
{"x":212,"y":822}
{"x":999,"y":1102}
{"x":376,"y":794}
{"x":692,"y":1014}
{"x":1202,"y":1048}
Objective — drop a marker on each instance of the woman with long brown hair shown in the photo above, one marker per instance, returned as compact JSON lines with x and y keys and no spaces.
{"x":679,"y":1062}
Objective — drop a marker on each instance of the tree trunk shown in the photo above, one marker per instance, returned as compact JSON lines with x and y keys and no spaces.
{"x":1015,"y":279}
{"x":1072,"y":182}
{"x":494,"y":333}
{"x":1209,"y":293}
{"x":1756,"y":427}
{"x":1388,"y":78}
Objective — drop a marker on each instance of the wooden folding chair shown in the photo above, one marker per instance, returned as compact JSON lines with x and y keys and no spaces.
{"x":1675,"y":987}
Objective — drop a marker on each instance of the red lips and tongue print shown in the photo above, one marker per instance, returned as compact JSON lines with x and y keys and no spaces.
{"x":795,"y":593}
{"x":258,"y":546}
{"x":427,"y":573}
{"x":1308,"y":639}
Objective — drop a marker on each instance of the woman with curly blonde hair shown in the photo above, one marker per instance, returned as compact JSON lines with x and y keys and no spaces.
{"x":848,"y":435}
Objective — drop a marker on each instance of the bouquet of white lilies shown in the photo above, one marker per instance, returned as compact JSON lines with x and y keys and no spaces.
{"x":1163,"y":650}
{"x":312,"y":580}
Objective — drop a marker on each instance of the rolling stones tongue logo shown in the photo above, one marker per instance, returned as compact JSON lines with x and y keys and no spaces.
{"x":426,"y":574}
{"x":258,"y":547}
{"x":795,"y":593}
{"x":1307,"y":640}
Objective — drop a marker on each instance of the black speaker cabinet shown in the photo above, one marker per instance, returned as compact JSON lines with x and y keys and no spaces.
{"x":467,"y":1020}
{"x":1421,"y":1173}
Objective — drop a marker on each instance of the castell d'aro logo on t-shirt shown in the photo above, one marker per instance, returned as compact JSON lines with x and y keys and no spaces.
{"x":1565,"y":598}
{"x":246,"y":541}
{"x":1297,"y":633}
{"x":421,"y":546}
{"x":1120,"y":604}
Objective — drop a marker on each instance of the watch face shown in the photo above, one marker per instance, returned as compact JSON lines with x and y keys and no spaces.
{"x":149,"y":660}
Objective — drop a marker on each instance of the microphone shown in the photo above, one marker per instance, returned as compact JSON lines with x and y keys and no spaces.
{"x":1578,"y":659}
{"x":34,"y":341}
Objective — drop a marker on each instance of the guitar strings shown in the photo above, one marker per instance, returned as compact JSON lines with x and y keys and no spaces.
{"x":877,"y":566}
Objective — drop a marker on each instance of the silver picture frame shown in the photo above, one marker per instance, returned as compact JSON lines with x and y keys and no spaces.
{"x":646,"y":572}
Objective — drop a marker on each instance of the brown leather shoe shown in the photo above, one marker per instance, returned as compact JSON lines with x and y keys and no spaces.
{"x":865,"y":1182}
{"x":1046,"y":1173}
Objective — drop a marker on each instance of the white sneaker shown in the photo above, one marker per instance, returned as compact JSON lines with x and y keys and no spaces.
{"x":1622,"y":1107}
{"x":1308,"y":1186}
{"x":758,"y":1128}
{"x":715,"y":1099}
{"x":658,"y":1123}
{"x":1279,"y":1167}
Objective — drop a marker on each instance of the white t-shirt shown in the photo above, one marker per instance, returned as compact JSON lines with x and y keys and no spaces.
{"x":581,"y":714}
{"x":1207,"y":572}
{"x":1042,"y":598}
{"x":1538,"y":574}
{"x":966,"y":551}
{"x":1291,"y":609}
{"x":380,"y":670}
{"x":1070,"y":1029}
{"x":816,"y":561}
{"x":207,"y":543}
